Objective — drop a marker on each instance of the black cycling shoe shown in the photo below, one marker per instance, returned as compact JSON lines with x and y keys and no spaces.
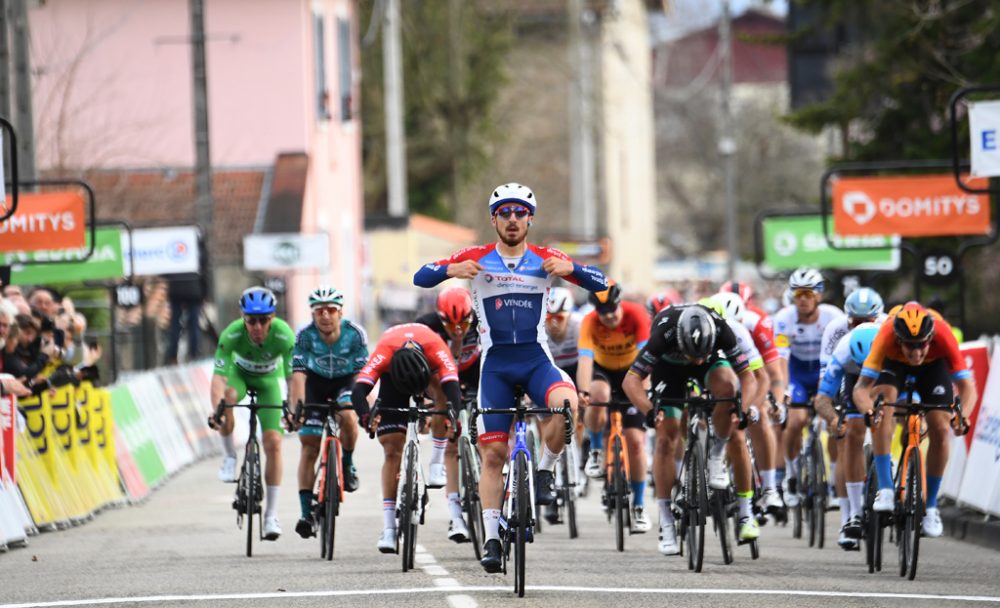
{"x":552,"y":514}
{"x":545,"y":490}
{"x":853,"y":529}
{"x":492,"y":560}
{"x":350,"y":479}
{"x":306,"y":527}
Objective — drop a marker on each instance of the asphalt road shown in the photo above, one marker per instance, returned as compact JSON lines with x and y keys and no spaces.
{"x":181,"y":547}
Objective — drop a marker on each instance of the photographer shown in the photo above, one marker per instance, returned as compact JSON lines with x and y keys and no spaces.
{"x":60,"y":315}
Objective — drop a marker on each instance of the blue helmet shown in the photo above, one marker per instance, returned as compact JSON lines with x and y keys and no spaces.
{"x":863,"y":303}
{"x":860,"y":339}
{"x":257,"y":301}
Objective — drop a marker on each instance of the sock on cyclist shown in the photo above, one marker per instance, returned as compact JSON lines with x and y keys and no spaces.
{"x":638,"y":493}
{"x":272,"y":501}
{"x":666,"y":515}
{"x":228,"y":445}
{"x":548,"y":460}
{"x":744,"y":499}
{"x":389,"y":514}
{"x":491,"y":524}
{"x":779,"y":476}
{"x":596,"y":440}
{"x":346,"y":458}
{"x":933,"y":485}
{"x":883,"y":468}
{"x":454,"y":505}
{"x":856,"y":496}
{"x":305,"y":503}
{"x":767,"y":479}
{"x":845,"y":510}
{"x":792,"y":468}
{"x":718,"y":447}
{"x":437,"y":452}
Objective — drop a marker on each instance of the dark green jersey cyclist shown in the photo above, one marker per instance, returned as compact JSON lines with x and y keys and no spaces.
{"x":255,"y":352}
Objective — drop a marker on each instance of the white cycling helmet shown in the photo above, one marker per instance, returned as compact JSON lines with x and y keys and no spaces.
{"x":326,"y":296}
{"x":787,"y":298}
{"x":732,"y":305}
{"x":560,"y":301}
{"x":512,"y":193}
{"x":806,"y":278}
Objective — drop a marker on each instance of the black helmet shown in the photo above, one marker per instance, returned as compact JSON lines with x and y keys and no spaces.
{"x":606,"y":301}
{"x":409,"y":370}
{"x":696,"y":332}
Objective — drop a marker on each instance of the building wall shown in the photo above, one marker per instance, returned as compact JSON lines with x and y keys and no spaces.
{"x":626,"y":161}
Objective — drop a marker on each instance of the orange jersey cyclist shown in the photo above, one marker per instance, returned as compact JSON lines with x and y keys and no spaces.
{"x":913,"y":342}
{"x":510,"y":280}
{"x":610,"y":338}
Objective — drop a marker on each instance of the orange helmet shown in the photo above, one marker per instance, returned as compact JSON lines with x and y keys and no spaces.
{"x":454,"y":305}
{"x":913,"y":323}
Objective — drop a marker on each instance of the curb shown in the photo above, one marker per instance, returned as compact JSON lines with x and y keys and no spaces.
{"x":971,"y":527}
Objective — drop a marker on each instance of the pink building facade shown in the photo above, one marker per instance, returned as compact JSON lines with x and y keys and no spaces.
{"x":113,"y":91}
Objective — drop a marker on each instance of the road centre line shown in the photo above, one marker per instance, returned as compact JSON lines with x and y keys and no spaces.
{"x":504,"y":588}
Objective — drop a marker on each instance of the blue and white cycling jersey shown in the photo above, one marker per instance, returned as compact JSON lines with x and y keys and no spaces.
{"x":509,"y":299}
{"x":800,"y":344}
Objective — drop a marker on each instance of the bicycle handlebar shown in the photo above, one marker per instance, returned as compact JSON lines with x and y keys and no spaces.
{"x":703,"y":402}
{"x":220,"y":409}
{"x":413,"y":410}
{"x":565,"y":411}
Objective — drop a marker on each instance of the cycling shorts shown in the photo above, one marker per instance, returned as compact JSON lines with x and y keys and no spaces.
{"x":803,"y":380}
{"x":268,"y":393}
{"x":320,"y":389}
{"x":631,"y":418}
{"x":505,"y":366}
{"x":670,"y":379}
{"x":932,"y":381}
{"x":847,"y":390}
{"x":469,"y":377}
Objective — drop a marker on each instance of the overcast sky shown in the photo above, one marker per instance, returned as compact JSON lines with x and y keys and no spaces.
{"x":687,"y":15}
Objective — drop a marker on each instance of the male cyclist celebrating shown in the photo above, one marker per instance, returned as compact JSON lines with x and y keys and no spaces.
{"x":254,"y":352}
{"x":914,"y":343}
{"x":456,"y":324}
{"x":798,"y":332}
{"x":692,"y":342}
{"x":328,"y":353}
{"x":510,"y":281}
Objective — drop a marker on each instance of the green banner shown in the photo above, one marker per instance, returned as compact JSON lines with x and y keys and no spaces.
{"x":797,"y":240}
{"x":136,"y":434}
{"x":105,"y":264}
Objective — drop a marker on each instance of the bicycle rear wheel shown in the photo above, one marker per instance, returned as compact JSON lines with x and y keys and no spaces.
{"x":619,"y":497}
{"x":569,"y":472}
{"x":331,"y":499}
{"x":913,"y":511}
{"x":522,"y":509}
{"x":470,"y":495}
{"x":696,"y":507}
{"x":406,"y":504}
{"x":251,"y":473}
{"x":532,"y":443}
{"x":719,"y":505}
{"x":820,"y":492}
{"x":871,"y":518}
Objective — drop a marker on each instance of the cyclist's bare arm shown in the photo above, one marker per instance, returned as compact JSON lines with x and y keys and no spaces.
{"x":862,"y":395}
{"x":296,"y":389}
{"x":824,"y":407}
{"x":968,"y":393}
{"x":584,"y":377}
{"x":635,"y":389}
{"x":760,"y":388}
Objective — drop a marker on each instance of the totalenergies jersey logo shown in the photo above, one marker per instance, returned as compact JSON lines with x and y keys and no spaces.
{"x":928,"y":205}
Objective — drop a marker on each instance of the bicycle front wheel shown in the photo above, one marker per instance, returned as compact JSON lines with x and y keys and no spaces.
{"x":406,"y":504}
{"x":619,"y":495}
{"x":471,"y":504}
{"x":913,"y":511}
{"x":331,"y":499}
{"x":820,"y":492}
{"x":569,"y":473}
{"x":522,"y":509}
{"x":696,"y":505}
{"x":251,"y":473}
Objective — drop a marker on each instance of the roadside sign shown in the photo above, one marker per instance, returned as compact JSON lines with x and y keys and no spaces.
{"x":909,"y":206}
{"x":49,"y":220}
{"x":163,"y":251}
{"x":106,"y":262}
{"x":984,"y":138}
{"x":797,"y":240}
{"x":286,"y":251}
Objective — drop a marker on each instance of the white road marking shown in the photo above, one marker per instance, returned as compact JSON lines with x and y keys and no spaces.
{"x":424,"y":558}
{"x":446,"y":582}
{"x":462,"y":601}
{"x":435,"y":570}
{"x":504,"y":588}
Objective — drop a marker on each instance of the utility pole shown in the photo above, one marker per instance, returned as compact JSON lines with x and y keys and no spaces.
{"x":395,"y":134}
{"x":4,"y":60}
{"x":727,"y":143}
{"x":203,"y":160}
{"x":23,"y":115}
{"x":583,"y":209}
{"x":456,"y":80}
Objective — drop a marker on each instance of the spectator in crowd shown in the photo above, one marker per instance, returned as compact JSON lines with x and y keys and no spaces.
{"x":8,"y":383}
{"x":55,"y":319}
{"x":13,"y":295}
{"x":186,"y":293}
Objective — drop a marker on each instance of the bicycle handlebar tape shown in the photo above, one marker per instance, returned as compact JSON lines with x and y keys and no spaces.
{"x":473,"y":430}
{"x":741,"y":416}
{"x":567,"y":413}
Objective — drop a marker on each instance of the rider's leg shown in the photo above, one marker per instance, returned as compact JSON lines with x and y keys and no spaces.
{"x":272,"y":469}
{"x":231,"y":397}
{"x":796,"y":421}
{"x":939,"y":435}
{"x":392,"y":448}
{"x":348,"y":436}
{"x":854,"y":464}
{"x":668,"y":431}
{"x":882,"y":436}
{"x":555,"y":434}
{"x":494,"y":455}
{"x":307,"y":471}
{"x":762,"y":437}
{"x":635,"y":442}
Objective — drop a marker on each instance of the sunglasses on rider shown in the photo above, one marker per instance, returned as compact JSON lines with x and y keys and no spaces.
{"x":462,"y":325}
{"x":908,"y":345}
{"x":516,"y":210}
{"x":326,"y":310}
{"x":803,"y":292}
{"x":257,"y":319}
{"x":560,"y":316}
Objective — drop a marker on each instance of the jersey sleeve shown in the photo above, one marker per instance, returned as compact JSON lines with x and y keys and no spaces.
{"x":642,"y":328}
{"x":649,"y":355}
{"x":959,"y":370}
{"x":827,"y":343}
{"x":359,"y":350}
{"x":829,"y":384}
{"x":223,"y":357}
{"x":585,"y":344}
{"x":441,"y":360}
{"x":587,"y":277}
{"x":763,"y":338}
{"x":730,"y":345}
{"x":376,"y":365}
{"x":301,"y":351}
{"x":783,"y":328}
{"x":289,"y":339}
{"x":434,"y":273}
{"x":746,"y":345}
